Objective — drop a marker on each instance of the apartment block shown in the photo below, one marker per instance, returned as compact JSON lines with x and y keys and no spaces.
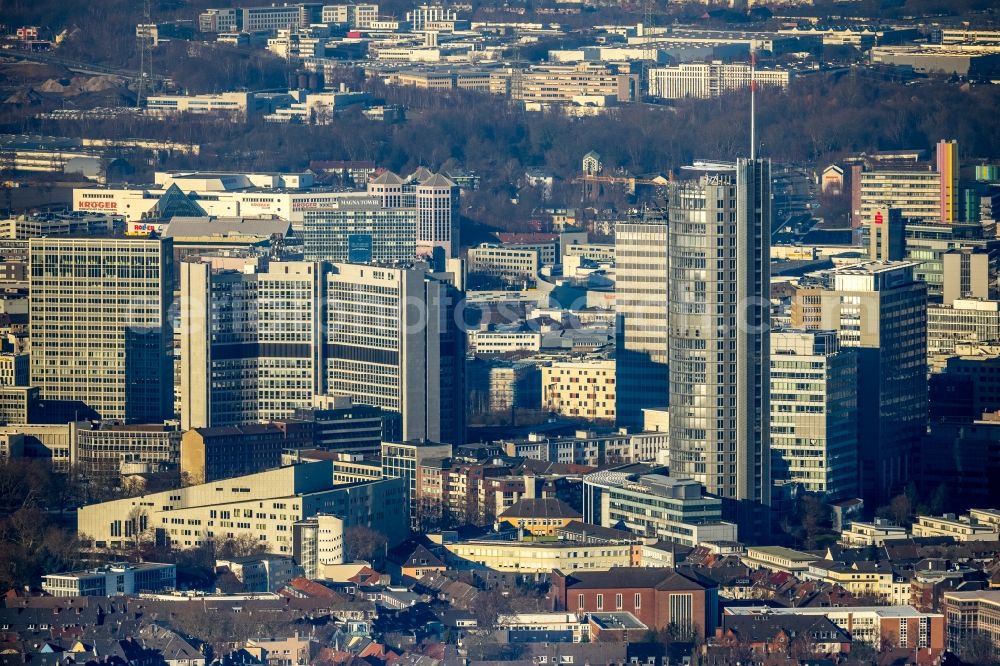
{"x":959,"y":529}
{"x":905,"y":626}
{"x":584,"y":388}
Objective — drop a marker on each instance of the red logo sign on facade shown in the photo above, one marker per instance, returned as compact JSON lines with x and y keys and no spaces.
{"x":878,"y":217}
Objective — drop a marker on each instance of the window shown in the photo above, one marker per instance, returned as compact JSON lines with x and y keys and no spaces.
{"x":638,"y":600}
{"x":579,"y":601}
{"x":600,"y":602}
{"x":618,"y":601}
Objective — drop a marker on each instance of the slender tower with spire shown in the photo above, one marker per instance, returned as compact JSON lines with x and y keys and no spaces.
{"x":719,"y":339}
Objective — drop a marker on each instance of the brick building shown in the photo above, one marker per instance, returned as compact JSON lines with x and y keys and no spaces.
{"x":657,"y":597}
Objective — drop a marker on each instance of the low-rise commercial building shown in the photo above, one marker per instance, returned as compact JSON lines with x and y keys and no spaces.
{"x":506,"y":262}
{"x":112,"y":580}
{"x":539,"y":557}
{"x":654,"y":505}
{"x":969,"y":614}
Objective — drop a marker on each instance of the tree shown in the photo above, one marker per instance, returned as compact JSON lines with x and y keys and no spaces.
{"x":976,"y":648}
{"x":243,"y":544}
{"x":363,"y":543}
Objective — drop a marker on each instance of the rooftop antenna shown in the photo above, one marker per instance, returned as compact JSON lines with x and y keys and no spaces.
{"x":753,"y":107}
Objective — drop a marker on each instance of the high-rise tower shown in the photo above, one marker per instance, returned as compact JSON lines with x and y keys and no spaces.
{"x":718,"y":257}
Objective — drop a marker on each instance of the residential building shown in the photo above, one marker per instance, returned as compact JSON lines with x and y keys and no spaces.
{"x":265,"y":505}
{"x":641,"y":370}
{"x":814,"y":386}
{"x":860,"y":534}
{"x":878,"y":309}
{"x":905,"y":626}
{"x":656,"y":506}
{"x":99,"y":326}
{"x":209,"y":454}
{"x":958,"y":529}
{"x":719,"y":341}
{"x":712,"y":79}
{"x":112,"y":580}
{"x":583,"y":388}
{"x":656,"y":597}
{"x":260,"y":573}
{"x":970,"y":614}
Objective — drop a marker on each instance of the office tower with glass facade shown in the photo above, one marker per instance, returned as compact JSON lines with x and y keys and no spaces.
{"x":99,"y":329}
{"x":879,"y":309}
{"x":360,"y":231}
{"x":814,"y":444}
{"x":641,"y":372}
{"x":718,"y":257}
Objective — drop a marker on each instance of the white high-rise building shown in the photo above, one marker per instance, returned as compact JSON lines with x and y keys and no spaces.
{"x":641,"y":317}
{"x":814,"y":404}
{"x":718,"y":252}
{"x":250,"y":342}
{"x":710,"y":79}
{"x":99,"y":328}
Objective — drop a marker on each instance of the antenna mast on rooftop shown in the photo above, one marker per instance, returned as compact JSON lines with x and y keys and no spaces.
{"x":144,"y":38}
{"x":753,"y":104}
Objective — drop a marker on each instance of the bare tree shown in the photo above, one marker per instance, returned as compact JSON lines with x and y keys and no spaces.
{"x":363,"y":543}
